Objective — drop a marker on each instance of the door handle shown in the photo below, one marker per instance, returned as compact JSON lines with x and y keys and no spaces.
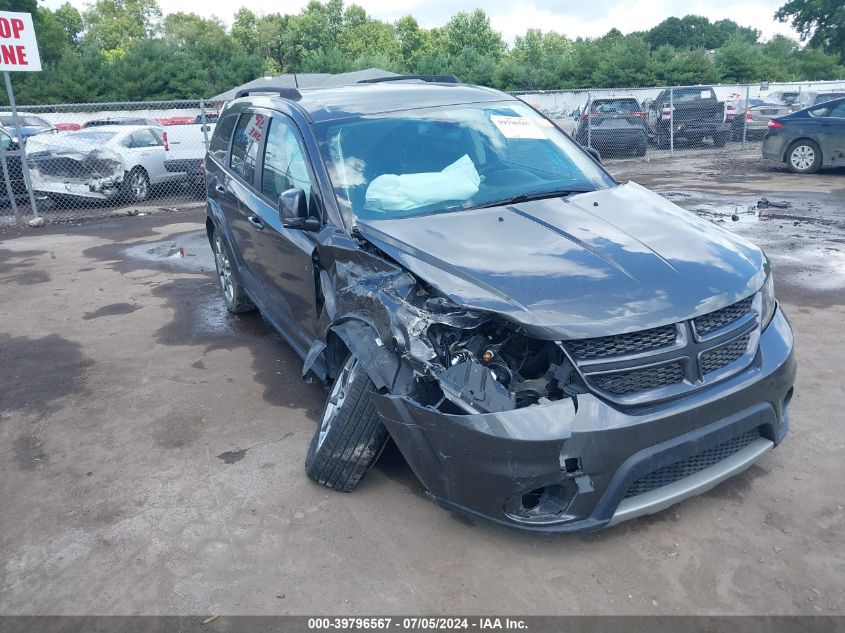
{"x":221,"y":190}
{"x":256,"y":221}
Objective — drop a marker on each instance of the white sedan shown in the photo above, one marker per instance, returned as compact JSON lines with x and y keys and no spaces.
{"x":102,"y":162}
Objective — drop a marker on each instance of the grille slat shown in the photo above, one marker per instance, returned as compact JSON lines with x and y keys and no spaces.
{"x":720,"y":318}
{"x":605,"y":346}
{"x":714,"y":359}
{"x":691,"y":465}
{"x":636,"y":380}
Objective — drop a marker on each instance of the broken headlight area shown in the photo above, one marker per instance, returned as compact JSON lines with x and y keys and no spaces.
{"x":498,"y":367}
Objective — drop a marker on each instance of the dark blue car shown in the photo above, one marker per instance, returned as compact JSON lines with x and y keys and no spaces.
{"x":809,"y":139}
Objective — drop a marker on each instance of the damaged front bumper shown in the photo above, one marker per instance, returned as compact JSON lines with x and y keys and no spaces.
{"x":583,"y":464}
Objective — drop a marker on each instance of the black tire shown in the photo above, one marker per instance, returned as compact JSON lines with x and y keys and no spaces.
{"x":720,"y":139}
{"x":641,"y":149}
{"x":136,"y":185}
{"x":804,"y":157}
{"x":662,"y":139}
{"x":237,"y":301}
{"x":350,"y":436}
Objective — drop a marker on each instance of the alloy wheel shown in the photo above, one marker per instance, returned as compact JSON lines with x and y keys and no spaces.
{"x":224,"y":270}
{"x":337,"y":397}
{"x":802,"y":157}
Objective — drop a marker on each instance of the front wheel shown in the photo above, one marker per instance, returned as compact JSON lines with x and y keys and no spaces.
{"x":804,"y":157}
{"x":350,"y":436}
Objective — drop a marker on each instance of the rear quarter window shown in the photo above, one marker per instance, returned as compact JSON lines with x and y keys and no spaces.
{"x":218,"y":147}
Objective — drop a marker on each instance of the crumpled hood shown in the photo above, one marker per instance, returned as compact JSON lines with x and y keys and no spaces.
{"x":593,"y":264}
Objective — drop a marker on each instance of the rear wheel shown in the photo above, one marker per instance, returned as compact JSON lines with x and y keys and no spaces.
{"x":136,"y":185}
{"x":236,"y":299}
{"x":804,"y":157}
{"x":720,"y":139}
{"x":350,"y":436}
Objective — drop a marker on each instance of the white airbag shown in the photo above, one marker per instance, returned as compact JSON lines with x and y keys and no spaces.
{"x":392,"y":192}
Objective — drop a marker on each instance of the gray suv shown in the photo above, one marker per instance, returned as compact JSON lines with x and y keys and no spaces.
{"x":548,"y":348}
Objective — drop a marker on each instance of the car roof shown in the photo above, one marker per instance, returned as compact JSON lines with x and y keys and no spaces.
{"x":325,"y":104}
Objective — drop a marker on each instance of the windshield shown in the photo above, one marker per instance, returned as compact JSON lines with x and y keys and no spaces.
{"x":451,"y":158}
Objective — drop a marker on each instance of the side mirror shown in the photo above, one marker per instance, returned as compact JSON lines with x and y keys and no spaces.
{"x":592,"y":151}
{"x":293,"y":210}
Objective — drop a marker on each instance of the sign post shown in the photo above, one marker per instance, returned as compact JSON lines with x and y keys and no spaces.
{"x":18,"y":53}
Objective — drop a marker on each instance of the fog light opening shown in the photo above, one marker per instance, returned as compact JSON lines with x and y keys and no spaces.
{"x":531,"y":500}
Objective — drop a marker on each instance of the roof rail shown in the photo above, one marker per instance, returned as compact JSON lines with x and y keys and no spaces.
{"x":443,"y":79}
{"x":285,"y":93}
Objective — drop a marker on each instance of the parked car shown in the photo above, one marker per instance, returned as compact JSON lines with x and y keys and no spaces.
{"x":549,"y":349}
{"x":13,"y":165}
{"x":102,"y":162}
{"x":809,"y":98}
{"x":784,"y":97}
{"x":184,"y":149}
{"x":613,"y":125}
{"x":697,"y":115}
{"x":809,"y":139}
{"x":121,"y":121}
{"x":31,"y":125}
{"x":754,"y":118}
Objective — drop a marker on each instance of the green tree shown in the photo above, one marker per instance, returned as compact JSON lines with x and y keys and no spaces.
{"x":821,"y":23}
{"x":739,"y":62}
{"x":472,"y":32}
{"x":113,"y":26}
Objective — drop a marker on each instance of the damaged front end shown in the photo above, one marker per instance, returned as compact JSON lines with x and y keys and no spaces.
{"x":500,"y":424}
{"x":443,"y":356}
{"x":96,"y":173}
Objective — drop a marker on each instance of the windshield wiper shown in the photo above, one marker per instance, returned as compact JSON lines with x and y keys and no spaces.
{"x":536,"y":195}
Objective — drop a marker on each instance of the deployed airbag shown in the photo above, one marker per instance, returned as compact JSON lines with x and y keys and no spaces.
{"x":392,"y":192}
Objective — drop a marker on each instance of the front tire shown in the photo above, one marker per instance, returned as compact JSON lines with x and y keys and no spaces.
{"x":350,"y":436}
{"x":804,"y":157}
{"x":237,"y":301}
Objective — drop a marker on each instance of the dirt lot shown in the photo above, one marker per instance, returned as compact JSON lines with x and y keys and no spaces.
{"x":151,"y":448}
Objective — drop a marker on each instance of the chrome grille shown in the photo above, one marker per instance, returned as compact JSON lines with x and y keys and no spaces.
{"x":634,"y":342}
{"x":627,"y":382}
{"x":720,"y":318}
{"x":691,"y":465}
{"x":717,"y":358}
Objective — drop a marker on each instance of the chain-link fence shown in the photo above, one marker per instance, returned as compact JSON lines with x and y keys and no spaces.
{"x":100,"y":159}
{"x":661,"y":122}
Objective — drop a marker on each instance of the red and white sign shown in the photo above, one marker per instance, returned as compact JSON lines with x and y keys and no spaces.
{"x":18,"y":48}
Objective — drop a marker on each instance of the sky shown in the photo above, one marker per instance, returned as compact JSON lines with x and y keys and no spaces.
{"x":573,"y":19}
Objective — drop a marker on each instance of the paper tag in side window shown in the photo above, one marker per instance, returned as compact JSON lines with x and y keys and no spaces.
{"x":517,"y":127}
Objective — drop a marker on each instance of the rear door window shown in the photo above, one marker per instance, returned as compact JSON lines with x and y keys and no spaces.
{"x":219,"y":145}
{"x":249,"y":132}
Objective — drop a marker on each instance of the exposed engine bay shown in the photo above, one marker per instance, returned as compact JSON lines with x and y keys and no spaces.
{"x":496,"y":367}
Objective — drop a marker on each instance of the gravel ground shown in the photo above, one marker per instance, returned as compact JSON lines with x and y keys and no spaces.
{"x":151,"y":449}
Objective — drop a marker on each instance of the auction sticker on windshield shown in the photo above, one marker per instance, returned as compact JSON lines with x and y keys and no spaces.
{"x":516,"y":127}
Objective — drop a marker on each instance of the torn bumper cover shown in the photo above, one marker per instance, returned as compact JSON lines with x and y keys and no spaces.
{"x":581,"y":463}
{"x":92,"y":174}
